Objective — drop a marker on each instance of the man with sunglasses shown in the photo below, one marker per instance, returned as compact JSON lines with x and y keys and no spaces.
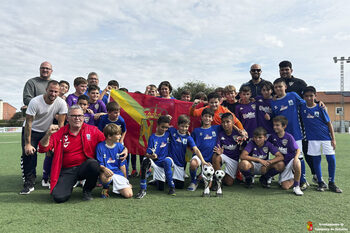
{"x":74,"y":148}
{"x":256,"y":82}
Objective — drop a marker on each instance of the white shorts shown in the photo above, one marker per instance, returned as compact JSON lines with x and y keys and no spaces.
{"x":257,"y":168}
{"x":231,"y":165}
{"x":158,"y":172}
{"x":288,"y":173}
{"x":314,"y":148}
{"x":119,"y":183}
{"x":197,"y":159}
{"x":178,"y":172}
{"x":300,"y":145}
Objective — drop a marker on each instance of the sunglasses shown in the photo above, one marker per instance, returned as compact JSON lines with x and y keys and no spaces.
{"x":255,"y":70}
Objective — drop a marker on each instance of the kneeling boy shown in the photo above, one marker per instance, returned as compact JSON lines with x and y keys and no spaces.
{"x":255,"y":159}
{"x":112,"y":162}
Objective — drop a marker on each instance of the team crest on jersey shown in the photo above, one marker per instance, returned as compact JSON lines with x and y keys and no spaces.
{"x":96,"y":106}
{"x":223,"y":138}
{"x":260,"y":100}
{"x":88,"y":137}
{"x":241,"y":108}
{"x":184,"y":141}
{"x":276,"y":107}
{"x":284,"y":142}
{"x":265,"y":149}
{"x":290,"y":102}
{"x":200,"y":134}
{"x":291,"y":83}
{"x":317,"y":114}
{"x":253,"y":106}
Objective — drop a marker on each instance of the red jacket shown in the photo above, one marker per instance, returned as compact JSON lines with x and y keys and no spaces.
{"x":91,"y":136}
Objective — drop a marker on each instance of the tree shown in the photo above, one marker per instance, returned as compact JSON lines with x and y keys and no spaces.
{"x":194,"y":87}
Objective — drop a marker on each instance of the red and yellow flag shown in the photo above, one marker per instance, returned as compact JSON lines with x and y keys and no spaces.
{"x":141,"y":113}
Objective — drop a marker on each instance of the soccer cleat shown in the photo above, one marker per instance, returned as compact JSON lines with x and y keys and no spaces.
{"x":87,"y":195}
{"x":133,"y":173}
{"x":320,"y":187}
{"x":334,"y":188}
{"x":249,"y":182}
{"x":141,"y":194}
{"x":314,"y":180}
{"x":304,"y":186}
{"x":172,"y":192}
{"x":205,"y":194}
{"x":45,"y":183}
{"x":263,"y":182}
{"x":297,"y":191}
{"x":27,"y":188}
{"x":192,"y":187}
{"x":104,"y":193}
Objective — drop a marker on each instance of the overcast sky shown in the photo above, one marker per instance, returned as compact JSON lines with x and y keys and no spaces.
{"x":143,"y":42}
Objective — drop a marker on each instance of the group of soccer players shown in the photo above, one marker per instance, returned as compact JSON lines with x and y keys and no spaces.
{"x":242,"y":135}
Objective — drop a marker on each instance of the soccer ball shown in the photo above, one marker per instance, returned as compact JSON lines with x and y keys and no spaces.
{"x":208,"y":171}
{"x":219,"y":174}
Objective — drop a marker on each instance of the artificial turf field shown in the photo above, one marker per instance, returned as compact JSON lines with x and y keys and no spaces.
{"x":240,"y":210}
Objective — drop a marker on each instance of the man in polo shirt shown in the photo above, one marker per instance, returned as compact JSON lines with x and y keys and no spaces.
{"x":74,"y":155}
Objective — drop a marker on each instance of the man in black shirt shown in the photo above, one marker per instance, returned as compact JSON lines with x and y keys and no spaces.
{"x":293,"y":84}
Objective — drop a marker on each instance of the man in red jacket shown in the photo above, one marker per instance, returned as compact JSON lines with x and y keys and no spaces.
{"x":74,"y":155}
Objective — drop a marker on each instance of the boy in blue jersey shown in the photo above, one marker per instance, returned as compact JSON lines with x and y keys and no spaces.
{"x":111,"y":155}
{"x":288,"y":105}
{"x":263,"y":107}
{"x":179,"y":141}
{"x":113,"y":116}
{"x":157,"y":157}
{"x":246,"y":110}
{"x":288,"y":147}
{"x":255,"y":158}
{"x":205,"y":138}
{"x":320,"y":134}
{"x":227,"y":149}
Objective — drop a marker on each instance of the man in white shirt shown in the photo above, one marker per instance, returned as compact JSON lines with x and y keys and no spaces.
{"x":39,"y":116}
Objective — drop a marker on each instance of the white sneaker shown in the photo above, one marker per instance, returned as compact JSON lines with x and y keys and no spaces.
{"x":192,"y":187}
{"x":298,"y":191}
{"x":45,"y":184}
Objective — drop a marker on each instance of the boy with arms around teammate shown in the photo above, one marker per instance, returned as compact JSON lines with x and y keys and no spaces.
{"x":111,"y":156}
{"x":157,"y":157}
{"x":320,"y":134}
{"x":179,"y":141}
{"x":205,"y":138}
{"x":290,"y":150}
{"x":255,"y":158}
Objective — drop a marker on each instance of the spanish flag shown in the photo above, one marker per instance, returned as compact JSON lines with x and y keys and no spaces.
{"x":141,"y":113}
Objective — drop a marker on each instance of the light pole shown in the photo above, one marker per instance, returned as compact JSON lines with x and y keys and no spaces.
{"x":342,"y":59}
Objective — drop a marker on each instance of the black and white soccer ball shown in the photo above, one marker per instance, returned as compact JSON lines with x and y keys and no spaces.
{"x":219,"y":174}
{"x":208,"y":171}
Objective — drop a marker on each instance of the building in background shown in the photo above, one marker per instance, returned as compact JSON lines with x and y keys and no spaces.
{"x":7,"y":111}
{"x":332,"y":100}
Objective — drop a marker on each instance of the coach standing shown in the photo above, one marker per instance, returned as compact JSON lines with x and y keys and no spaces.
{"x":37,"y":86}
{"x":39,"y":116}
{"x":74,"y":155}
{"x":256,"y":82}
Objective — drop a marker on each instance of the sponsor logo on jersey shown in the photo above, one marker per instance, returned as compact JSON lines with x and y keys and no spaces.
{"x":309,"y":116}
{"x":249,"y":115}
{"x":163,"y":144}
{"x":266,"y":109}
{"x":110,"y":160}
{"x":229,"y":147}
{"x":283,"y":150}
{"x":178,"y":140}
{"x":283,"y":108}
{"x":207,"y":137}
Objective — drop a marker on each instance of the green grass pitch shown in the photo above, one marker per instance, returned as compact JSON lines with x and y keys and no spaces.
{"x":240,"y":210}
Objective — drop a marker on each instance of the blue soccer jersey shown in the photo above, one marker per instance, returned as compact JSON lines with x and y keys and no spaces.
{"x":286,"y":145}
{"x":104,"y":120}
{"x":178,"y":145}
{"x":288,"y":106}
{"x":159,"y":145}
{"x":315,"y":121}
{"x":263,"y":106}
{"x":260,"y":152}
{"x":109,"y":156}
{"x":205,"y":140}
